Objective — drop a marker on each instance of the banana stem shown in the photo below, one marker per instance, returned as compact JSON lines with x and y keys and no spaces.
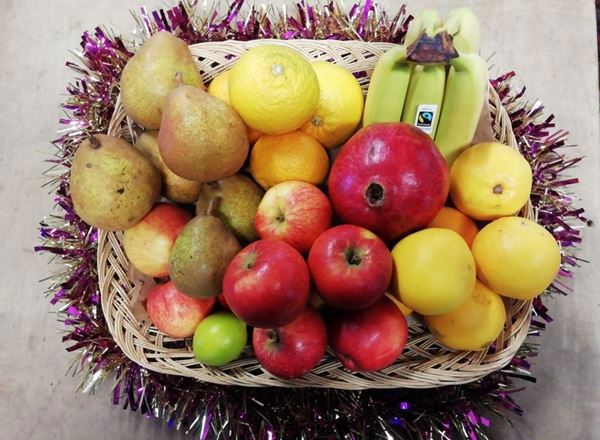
{"x":432,"y":50}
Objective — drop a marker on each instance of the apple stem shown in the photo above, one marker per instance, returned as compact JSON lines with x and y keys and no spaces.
{"x":213,"y":206}
{"x":498,"y":189}
{"x":249,"y":260}
{"x":375,"y":195}
{"x":352,"y":258}
{"x":273,"y":336}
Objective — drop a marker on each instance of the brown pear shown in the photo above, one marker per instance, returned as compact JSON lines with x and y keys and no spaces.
{"x":175,"y":188}
{"x":240,"y":198}
{"x":113,"y":186}
{"x":201,"y":137}
{"x":200,"y":255}
{"x":163,"y":62}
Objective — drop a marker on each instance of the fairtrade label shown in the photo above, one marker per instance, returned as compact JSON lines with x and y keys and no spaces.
{"x":425,"y":118}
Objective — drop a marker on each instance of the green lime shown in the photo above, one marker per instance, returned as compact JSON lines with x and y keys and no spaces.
{"x":219,"y":339}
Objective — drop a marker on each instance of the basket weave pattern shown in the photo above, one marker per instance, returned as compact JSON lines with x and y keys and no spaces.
{"x":424,"y":362}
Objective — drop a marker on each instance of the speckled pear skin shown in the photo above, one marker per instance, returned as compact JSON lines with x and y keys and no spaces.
{"x":240,"y":198}
{"x":113,"y":186}
{"x":174,"y":188}
{"x":201,"y":137}
{"x":200,"y":255}
{"x":162,"y":63}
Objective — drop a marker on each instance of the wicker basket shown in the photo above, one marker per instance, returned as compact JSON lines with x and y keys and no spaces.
{"x":423,"y":364}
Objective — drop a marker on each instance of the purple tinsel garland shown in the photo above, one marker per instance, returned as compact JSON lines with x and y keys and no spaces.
{"x":235,"y":412}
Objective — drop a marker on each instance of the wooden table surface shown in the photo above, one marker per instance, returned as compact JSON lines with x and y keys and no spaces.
{"x":551,"y":44}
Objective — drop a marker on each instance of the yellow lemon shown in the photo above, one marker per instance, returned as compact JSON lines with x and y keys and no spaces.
{"x":274,"y":89}
{"x":473,"y":325}
{"x":292,"y":156}
{"x":219,"y":88}
{"x":434,"y":271}
{"x":516,"y":257}
{"x":340,"y":105}
{"x":450,"y":218}
{"x":490,"y":180}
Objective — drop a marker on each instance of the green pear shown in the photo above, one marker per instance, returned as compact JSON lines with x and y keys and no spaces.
{"x":201,"y":137}
{"x":175,"y":188}
{"x":239,"y":200}
{"x":163,"y":62}
{"x":200,"y":255}
{"x":113,"y":186}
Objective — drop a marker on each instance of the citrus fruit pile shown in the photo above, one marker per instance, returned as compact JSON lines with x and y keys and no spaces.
{"x":294,"y":110}
{"x":260,"y":227}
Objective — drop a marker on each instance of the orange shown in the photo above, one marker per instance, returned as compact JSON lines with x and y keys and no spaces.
{"x":292,"y":156}
{"x":219,"y":88}
{"x":516,"y":257}
{"x":450,"y":218}
{"x":490,"y":180}
{"x":473,"y":325}
{"x":273,"y":88}
{"x":340,"y":105}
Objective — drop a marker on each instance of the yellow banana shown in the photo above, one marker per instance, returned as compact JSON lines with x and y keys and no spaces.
{"x":464,"y":27}
{"x":424,"y":98}
{"x":426,"y":89}
{"x":466,"y":90}
{"x":387,"y":88}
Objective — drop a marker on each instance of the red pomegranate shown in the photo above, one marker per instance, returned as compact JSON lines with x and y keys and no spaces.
{"x":389,"y":178}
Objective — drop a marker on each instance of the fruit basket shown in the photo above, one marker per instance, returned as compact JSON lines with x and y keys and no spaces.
{"x":423,"y":364}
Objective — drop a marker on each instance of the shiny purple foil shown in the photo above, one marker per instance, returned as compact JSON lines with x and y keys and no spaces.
{"x":212,"y":411}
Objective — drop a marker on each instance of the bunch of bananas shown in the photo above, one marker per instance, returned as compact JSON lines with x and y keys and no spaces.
{"x":439,"y":89}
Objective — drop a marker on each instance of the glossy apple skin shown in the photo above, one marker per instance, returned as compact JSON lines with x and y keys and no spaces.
{"x":174,"y":313}
{"x":370,"y":339}
{"x":267,"y":284}
{"x":294,"y":349}
{"x":295,"y":212}
{"x":148,"y":244}
{"x":390,"y":179}
{"x":351,"y":267}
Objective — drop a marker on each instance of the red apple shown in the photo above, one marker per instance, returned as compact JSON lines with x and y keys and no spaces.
{"x":370,"y":339}
{"x":351,"y":267}
{"x":295,"y":212}
{"x":174,"y":313}
{"x":148,"y":244}
{"x":294,"y":349}
{"x":389,"y":178}
{"x":267,"y":284}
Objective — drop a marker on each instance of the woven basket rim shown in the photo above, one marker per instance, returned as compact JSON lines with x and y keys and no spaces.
{"x":143,"y":344}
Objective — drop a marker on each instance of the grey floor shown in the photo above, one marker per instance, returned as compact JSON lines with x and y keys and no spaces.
{"x":551,"y":44}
